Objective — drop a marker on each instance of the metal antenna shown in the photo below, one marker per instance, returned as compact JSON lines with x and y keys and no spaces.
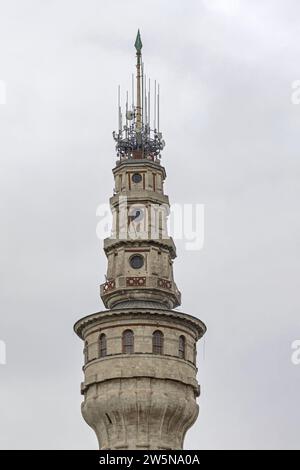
{"x":139,"y":107}
{"x":126,"y":114}
{"x":145,"y":98}
{"x":154,"y":121}
{"x":142,"y":94}
{"x":149,"y":101}
{"x":119,"y":109}
{"x":136,"y":137}
{"x":146,"y":121}
{"x":132,"y":90}
{"x":158,"y":107}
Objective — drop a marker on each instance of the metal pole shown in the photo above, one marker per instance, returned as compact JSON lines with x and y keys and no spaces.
{"x":149,"y":101}
{"x":154,"y":105}
{"x":119,"y":110}
{"x":158,"y":107}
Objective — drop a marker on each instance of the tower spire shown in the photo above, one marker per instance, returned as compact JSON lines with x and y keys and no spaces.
{"x":137,"y":139}
{"x":138,"y":42}
{"x":138,"y":45}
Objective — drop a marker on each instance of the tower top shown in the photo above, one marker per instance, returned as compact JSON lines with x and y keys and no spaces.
{"x":138,"y":42}
{"x":138,"y":135}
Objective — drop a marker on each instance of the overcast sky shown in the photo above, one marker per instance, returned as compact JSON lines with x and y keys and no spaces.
{"x":226,"y":69}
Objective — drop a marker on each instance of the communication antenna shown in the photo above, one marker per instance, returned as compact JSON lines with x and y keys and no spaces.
{"x":126,"y":114}
{"x":137,"y":136}
{"x":158,"y":107}
{"x":142,"y":94}
{"x":154,"y":121}
{"x":132,"y":90}
{"x":145,"y":97}
{"x":119,"y":110}
{"x":149,"y":102}
{"x":139,"y":84}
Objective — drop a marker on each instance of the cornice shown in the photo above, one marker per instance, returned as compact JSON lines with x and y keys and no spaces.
{"x":139,"y":163}
{"x":167,"y":243}
{"x":192,"y":322}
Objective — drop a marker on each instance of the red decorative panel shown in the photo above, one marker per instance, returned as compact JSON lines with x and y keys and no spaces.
{"x":109,"y":285}
{"x":164,"y":283}
{"x":135,"y":281}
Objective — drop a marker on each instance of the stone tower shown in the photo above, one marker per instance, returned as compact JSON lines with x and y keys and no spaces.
{"x":140,"y":385}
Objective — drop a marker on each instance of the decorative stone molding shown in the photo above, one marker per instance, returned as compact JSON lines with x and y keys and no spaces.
{"x":105,"y":316}
{"x":135,"y":281}
{"x":140,"y":288}
{"x":164,"y":283}
{"x":109,"y":285}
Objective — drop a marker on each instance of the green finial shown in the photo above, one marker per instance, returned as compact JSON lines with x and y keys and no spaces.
{"x":138,"y":42}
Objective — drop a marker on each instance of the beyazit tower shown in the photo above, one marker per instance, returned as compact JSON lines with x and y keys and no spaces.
{"x":140,"y":384}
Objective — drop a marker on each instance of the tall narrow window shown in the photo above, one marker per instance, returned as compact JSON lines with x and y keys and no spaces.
{"x":128,"y":342}
{"x":154,"y":181}
{"x":102,"y":345}
{"x":158,"y":342}
{"x":181,"y":347}
{"x":86,"y":352}
{"x":195,"y":354}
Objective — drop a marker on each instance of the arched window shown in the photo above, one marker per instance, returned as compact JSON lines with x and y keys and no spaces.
{"x":195,"y":354}
{"x":86,"y":352}
{"x":181,"y":347}
{"x":128,"y":342}
{"x":158,"y":342}
{"x":102,"y":345}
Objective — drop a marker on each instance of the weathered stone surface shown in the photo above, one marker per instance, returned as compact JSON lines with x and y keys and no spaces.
{"x":140,"y":400}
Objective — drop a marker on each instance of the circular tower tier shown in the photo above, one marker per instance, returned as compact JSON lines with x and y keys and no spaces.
{"x":140,"y":385}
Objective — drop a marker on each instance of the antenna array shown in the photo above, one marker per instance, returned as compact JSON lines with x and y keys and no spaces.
{"x":136,"y":137}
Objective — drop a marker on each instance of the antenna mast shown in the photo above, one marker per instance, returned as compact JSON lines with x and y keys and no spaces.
{"x":137,"y":139}
{"x":138,"y":45}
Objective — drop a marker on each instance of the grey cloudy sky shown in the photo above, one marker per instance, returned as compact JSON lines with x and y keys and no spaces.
{"x":225,"y":69}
